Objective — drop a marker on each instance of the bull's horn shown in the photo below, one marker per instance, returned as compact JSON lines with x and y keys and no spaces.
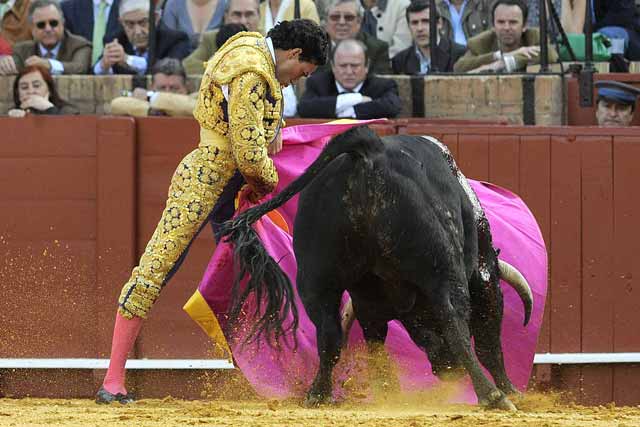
{"x":513,"y":277}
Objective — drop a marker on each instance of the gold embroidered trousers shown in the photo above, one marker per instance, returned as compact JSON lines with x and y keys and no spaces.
{"x":195,"y":188}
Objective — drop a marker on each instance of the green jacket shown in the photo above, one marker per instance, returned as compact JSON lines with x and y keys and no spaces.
{"x":476,"y":18}
{"x":194,"y":63}
{"x":480,"y":51}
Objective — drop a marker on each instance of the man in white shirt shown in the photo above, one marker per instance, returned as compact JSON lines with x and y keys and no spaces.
{"x":346,"y":91}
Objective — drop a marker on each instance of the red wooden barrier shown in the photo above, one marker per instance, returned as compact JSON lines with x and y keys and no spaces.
{"x":81,"y":196}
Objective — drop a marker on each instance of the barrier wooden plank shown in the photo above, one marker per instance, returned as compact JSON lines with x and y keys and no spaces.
{"x":39,"y":136}
{"x":473,"y":156}
{"x":48,"y":219}
{"x":535,"y":190}
{"x":626,"y":247}
{"x":116,"y":224}
{"x":451,"y":141}
{"x":504,"y":163}
{"x":597,"y":241}
{"x":565,"y":246}
{"x":42,"y":178}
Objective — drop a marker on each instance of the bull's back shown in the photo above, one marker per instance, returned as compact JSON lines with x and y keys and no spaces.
{"x":403,"y":192}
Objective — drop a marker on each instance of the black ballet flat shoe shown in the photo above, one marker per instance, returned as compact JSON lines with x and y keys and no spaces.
{"x":105,"y":398}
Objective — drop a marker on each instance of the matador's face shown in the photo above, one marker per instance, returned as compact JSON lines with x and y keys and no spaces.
{"x":289,"y":67}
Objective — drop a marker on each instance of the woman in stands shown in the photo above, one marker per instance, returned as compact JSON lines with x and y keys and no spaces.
{"x":34,"y":91}
{"x":193,"y":17}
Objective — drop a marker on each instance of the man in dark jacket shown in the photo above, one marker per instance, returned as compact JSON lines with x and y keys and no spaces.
{"x":128,"y":52}
{"x":417,"y":58}
{"x":93,"y":20}
{"x":346,"y":90}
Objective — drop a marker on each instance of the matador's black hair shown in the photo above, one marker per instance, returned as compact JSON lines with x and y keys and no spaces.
{"x":304,"y":34}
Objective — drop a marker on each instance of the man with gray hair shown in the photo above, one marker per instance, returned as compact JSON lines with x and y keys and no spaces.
{"x":52,"y":47}
{"x":128,"y":53}
{"x":347,"y":90}
{"x":344,"y":21}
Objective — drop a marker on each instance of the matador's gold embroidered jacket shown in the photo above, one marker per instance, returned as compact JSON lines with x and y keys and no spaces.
{"x":235,"y":132}
{"x":251,"y":117}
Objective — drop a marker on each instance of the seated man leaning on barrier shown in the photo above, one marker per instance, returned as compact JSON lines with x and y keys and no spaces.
{"x":616,"y":103}
{"x":346,"y":90}
{"x":509,"y":47}
{"x":168,"y":95}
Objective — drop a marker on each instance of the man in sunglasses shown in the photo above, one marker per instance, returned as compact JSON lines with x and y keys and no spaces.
{"x":52,"y":47}
{"x":344,"y":21}
{"x":128,"y":53}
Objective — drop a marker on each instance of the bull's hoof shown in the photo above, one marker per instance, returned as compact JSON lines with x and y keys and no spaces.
{"x":497,"y":400}
{"x":105,"y":398}
{"x":510,"y":390}
{"x":315,"y":400}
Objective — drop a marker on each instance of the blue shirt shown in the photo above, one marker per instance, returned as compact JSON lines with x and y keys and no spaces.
{"x":425,"y":63}
{"x":456,"y":22}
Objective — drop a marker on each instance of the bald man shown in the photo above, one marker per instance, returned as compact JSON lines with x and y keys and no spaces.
{"x":346,"y":90}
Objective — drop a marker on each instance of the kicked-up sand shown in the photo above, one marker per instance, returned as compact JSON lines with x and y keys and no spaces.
{"x":535,"y":410}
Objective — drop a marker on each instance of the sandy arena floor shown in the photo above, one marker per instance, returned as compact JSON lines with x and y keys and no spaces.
{"x":536,"y":411}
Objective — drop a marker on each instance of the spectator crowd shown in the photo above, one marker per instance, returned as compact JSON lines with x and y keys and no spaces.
{"x":370,"y":38}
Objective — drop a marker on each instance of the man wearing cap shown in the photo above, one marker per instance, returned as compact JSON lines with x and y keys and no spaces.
{"x":616,"y":103}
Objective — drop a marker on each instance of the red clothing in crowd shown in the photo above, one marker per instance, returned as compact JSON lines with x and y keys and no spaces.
{"x":5,"y":47}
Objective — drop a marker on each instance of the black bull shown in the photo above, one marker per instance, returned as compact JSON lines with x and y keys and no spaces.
{"x":390,"y":223}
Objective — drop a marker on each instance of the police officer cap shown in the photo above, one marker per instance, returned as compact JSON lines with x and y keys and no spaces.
{"x":617,"y":91}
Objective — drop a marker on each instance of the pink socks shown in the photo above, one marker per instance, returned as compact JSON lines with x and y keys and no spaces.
{"x":125,"y":333}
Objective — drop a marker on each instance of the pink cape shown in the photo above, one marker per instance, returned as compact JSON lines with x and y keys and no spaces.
{"x":288,"y":373}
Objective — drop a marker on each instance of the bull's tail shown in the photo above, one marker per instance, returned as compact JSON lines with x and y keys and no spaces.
{"x":273,"y":290}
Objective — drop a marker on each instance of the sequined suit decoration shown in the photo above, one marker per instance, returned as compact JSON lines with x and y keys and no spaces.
{"x":234,"y":135}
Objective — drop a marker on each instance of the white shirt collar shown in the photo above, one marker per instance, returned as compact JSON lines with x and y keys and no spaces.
{"x":271,"y":48}
{"x":342,"y":89}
